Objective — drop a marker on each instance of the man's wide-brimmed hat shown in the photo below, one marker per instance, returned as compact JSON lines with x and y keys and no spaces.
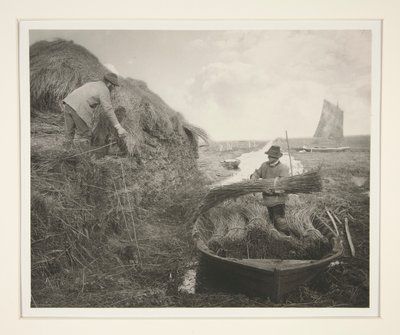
{"x":274,"y":151}
{"x":112,"y":78}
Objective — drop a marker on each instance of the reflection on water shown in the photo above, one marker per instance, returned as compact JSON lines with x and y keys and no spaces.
{"x":189,"y":282}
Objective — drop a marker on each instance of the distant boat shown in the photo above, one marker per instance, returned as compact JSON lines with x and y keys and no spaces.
{"x":324,"y":149}
{"x":330,"y":124}
{"x":328,"y":136}
{"x":230,"y":164}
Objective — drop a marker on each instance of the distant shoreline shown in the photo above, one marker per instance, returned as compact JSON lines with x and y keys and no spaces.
{"x":294,"y":138}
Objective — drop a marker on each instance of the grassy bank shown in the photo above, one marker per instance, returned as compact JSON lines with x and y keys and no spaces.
{"x":346,"y":190}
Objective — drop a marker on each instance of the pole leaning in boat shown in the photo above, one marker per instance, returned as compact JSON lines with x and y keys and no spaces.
{"x":290,"y":158}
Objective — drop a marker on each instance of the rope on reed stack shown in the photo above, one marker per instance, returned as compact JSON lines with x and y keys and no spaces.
{"x":86,"y":152}
{"x":308,"y":182}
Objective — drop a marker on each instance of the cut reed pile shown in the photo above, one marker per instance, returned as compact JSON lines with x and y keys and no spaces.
{"x":199,"y":132}
{"x":242,"y":229}
{"x":305,"y":183}
{"x":113,"y":212}
{"x":57,"y":68}
{"x":91,"y":215}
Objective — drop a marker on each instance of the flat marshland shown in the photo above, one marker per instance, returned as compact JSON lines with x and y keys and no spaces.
{"x":106,"y":267}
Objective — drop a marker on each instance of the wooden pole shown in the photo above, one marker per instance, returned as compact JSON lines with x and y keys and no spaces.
{"x":346,"y":225}
{"x":333,"y":221}
{"x":290,"y":158}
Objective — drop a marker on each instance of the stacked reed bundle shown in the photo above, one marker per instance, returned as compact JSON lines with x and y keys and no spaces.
{"x":220,"y":218}
{"x":242,"y":229}
{"x":264,"y":241}
{"x":234,"y":241}
{"x":305,"y":183}
{"x":307,"y":212}
{"x":300,"y":215}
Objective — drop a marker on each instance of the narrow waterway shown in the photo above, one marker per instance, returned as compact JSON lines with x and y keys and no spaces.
{"x":250,"y":161}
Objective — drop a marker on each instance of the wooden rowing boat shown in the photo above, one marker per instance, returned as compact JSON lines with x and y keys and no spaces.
{"x":325,"y":149}
{"x":271,"y":278}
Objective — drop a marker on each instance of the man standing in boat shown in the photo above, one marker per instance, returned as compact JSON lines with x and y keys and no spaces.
{"x":275,"y":202}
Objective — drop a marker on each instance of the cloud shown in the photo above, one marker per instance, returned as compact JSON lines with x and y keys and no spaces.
{"x":263,"y":83}
{"x":197,"y":44}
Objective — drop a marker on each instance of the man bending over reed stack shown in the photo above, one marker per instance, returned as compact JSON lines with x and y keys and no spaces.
{"x":275,"y":202}
{"x":79,"y":108}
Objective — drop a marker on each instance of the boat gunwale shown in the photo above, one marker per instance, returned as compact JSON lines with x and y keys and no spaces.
{"x":272,"y":268}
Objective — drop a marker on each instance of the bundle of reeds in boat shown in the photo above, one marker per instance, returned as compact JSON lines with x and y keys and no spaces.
{"x":242,"y":229}
{"x":228,"y":227}
{"x":263,"y":239}
{"x":301,"y":217}
{"x":234,"y":241}
{"x":304,"y":183}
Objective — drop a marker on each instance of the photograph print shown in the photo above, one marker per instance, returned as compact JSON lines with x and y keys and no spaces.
{"x":231,"y":165}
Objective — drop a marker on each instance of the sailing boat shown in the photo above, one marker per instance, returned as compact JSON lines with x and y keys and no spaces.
{"x":329,"y":133}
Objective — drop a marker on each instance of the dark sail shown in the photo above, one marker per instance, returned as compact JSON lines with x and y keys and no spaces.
{"x":331,"y":122}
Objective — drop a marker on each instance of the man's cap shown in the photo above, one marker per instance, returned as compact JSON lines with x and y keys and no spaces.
{"x":274,"y":151}
{"x":112,"y":78}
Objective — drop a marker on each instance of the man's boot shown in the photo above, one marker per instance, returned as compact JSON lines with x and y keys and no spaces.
{"x":281,"y":225}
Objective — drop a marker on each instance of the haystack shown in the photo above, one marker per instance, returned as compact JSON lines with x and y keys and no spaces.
{"x":56,"y":69}
{"x":59,"y":67}
{"x":92,"y":213}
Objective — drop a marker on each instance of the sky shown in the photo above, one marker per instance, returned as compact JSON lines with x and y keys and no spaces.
{"x":242,"y":85}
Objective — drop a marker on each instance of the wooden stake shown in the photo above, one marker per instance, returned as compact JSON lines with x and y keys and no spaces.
{"x":290,"y":158}
{"x":346,"y":225}
{"x":338,"y":220}
{"x":333,"y":221}
{"x":130,"y":212}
